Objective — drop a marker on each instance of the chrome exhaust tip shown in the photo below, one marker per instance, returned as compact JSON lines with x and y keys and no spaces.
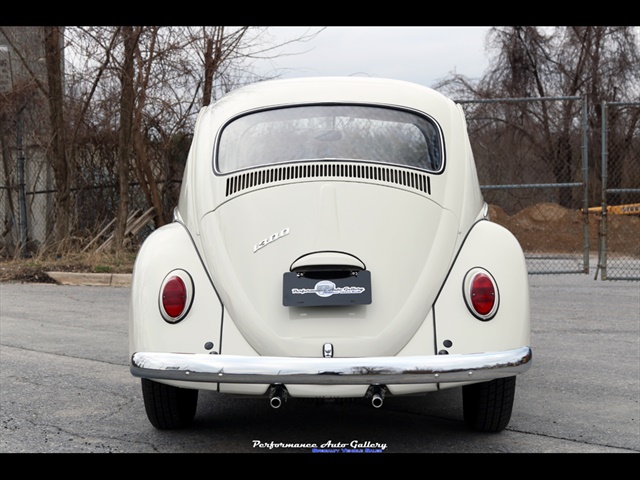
{"x":377,"y":400}
{"x":277,"y":396}
{"x":376,"y":393}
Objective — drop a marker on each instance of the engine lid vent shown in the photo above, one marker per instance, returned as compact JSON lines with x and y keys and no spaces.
{"x":310,"y":171}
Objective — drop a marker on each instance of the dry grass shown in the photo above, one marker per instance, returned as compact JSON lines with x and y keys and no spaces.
{"x":34,"y":269}
{"x":540,"y":228}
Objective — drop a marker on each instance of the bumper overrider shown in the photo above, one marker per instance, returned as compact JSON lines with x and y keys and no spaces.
{"x":213,"y":368}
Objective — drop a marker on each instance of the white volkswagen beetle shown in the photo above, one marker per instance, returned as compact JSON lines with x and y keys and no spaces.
{"x":331,"y":240}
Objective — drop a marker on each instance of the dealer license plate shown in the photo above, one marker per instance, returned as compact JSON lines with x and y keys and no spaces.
{"x":304,"y":291}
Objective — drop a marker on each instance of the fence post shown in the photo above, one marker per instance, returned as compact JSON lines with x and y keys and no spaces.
{"x":585,"y":180}
{"x":602,"y":247}
{"x":22,"y":201}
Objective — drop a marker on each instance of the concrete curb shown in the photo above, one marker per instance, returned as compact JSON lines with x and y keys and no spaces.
{"x":92,"y":279}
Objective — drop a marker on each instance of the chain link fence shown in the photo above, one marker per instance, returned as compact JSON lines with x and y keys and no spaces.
{"x":26,"y":184}
{"x":619,"y":215}
{"x":532,"y":162}
{"x":538,"y":164}
{"x":28,"y":193}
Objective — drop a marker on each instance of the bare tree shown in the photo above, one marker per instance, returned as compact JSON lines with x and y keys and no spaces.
{"x":130,"y":37}
{"x":219,"y":45}
{"x":598,"y":63}
{"x":140,"y":133}
{"x":123,"y":107}
{"x":53,"y":56}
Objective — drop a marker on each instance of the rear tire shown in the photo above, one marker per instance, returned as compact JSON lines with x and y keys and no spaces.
{"x":169,"y":407}
{"x":487,"y":406}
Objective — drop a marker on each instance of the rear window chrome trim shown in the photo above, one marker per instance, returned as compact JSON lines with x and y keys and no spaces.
{"x":402,"y":109}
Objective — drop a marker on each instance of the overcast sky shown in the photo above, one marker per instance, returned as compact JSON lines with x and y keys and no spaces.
{"x":418,"y":54}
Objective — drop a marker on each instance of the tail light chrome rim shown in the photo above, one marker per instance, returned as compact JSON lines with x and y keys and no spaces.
{"x":481,"y":293}
{"x":176,"y":296}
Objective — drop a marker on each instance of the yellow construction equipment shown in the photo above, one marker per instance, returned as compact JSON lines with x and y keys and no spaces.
{"x":628,"y":209}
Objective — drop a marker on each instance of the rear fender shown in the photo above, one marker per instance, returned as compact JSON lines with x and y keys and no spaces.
{"x":495,"y":249}
{"x":165,"y":250}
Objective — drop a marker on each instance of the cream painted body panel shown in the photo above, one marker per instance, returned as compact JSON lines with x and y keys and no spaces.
{"x":456,"y":188}
{"x":495,"y":249}
{"x":167,"y":249}
{"x":329,"y":216}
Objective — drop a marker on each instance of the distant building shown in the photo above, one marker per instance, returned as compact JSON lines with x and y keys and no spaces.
{"x":27,"y":214}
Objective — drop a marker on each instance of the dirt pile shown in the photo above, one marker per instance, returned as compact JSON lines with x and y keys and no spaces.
{"x":550,"y":228}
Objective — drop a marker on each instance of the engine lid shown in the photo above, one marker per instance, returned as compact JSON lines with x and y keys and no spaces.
{"x":402,"y":239}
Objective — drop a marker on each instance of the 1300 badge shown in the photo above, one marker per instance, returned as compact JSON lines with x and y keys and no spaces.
{"x":271,"y":238}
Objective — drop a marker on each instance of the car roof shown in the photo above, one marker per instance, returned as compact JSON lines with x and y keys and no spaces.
{"x":312,"y":90}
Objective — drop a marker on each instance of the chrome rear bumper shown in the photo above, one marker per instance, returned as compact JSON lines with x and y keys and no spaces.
{"x":334,"y":371}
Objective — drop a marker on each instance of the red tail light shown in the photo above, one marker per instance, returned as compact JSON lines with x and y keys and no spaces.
{"x":481,"y":293}
{"x":176,"y":294}
{"x":174,"y":297}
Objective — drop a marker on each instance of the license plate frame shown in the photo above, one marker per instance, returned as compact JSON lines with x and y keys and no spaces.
{"x":304,"y":290}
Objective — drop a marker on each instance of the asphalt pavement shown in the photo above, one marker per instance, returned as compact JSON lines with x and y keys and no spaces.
{"x":65,"y":384}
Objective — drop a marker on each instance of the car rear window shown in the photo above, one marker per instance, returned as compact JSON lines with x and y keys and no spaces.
{"x":330,"y":132}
